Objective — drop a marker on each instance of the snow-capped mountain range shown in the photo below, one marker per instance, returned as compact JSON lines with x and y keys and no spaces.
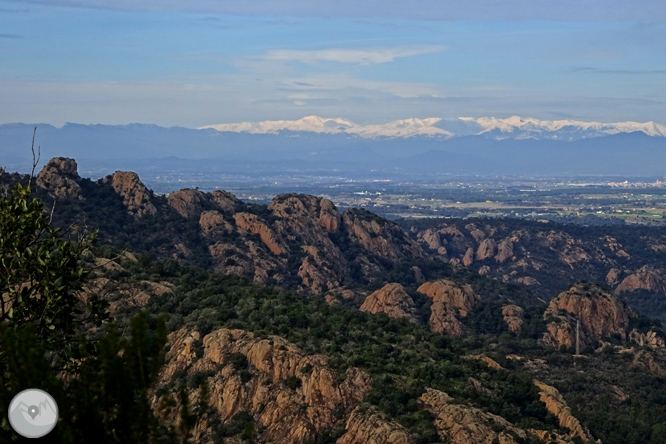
{"x":510,"y":128}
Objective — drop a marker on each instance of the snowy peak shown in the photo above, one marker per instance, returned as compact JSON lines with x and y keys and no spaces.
{"x":572,"y":128}
{"x":313,"y":124}
{"x":514,"y":127}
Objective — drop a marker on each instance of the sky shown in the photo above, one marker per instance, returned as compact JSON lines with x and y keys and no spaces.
{"x":202,"y":62}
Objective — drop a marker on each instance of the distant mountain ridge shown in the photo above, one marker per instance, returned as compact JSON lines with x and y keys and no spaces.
{"x":505,"y":148}
{"x":510,"y":128}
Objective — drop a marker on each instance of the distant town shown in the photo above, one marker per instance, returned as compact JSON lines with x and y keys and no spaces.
{"x":582,"y":200}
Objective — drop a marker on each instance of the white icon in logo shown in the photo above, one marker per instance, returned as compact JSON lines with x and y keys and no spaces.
{"x":33,"y":413}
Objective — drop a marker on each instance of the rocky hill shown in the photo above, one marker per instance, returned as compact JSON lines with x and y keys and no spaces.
{"x":547,"y":257}
{"x":364,"y":334}
{"x":298,"y":241}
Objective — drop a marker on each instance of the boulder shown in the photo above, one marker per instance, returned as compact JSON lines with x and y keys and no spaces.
{"x":393,"y":300}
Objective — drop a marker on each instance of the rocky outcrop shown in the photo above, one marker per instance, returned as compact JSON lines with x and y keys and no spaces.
{"x":613,"y":276}
{"x":443,"y":319}
{"x":393,"y":300}
{"x":418,"y":275}
{"x":600,"y":313}
{"x":468,"y":258}
{"x":191,"y":203}
{"x":486,"y":249}
{"x":460,"y":297}
{"x":213,"y":222}
{"x":329,"y":217}
{"x":304,"y":206}
{"x":290,"y":414}
{"x":380,"y":236}
{"x":188,"y":203}
{"x":250,"y":261}
{"x":225,"y":201}
{"x":309,"y":221}
{"x":647,"y":278}
{"x":313,"y":278}
{"x":366,"y":425}
{"x":252,"y":224}
{"x":431,"y":239}
{"x":504,"y":250}
{"x":136,"y":197}
{"x":649,"y":339}
{"x":644,"y":361}
{"x":461,"y":424}
{"x":556,"y":405}
{"x":449,"y":300}
{"x":60,"y":178}
{"x":514,"y":316}
{"x":527,"y":281}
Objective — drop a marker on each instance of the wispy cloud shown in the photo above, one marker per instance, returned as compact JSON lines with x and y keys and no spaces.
{"x":366,"y":56}
{"x":10,"y":36}
{"x":638,"y":72}
{"x":567,"y":10}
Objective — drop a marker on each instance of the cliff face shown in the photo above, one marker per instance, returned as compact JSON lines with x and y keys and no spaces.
{"x":601,"y":314}
{"x":252,"y":224}
{"x":60,"y":178}
{"x":263,"y":384}
{"x":309,"y":222}
{"x":377,"y":236}
{"x":449,"y":300}
{"x":136,"y":197}
{"x":393,"y":300}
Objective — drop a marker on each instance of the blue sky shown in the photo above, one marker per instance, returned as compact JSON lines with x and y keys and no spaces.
{"x":204,"y":61}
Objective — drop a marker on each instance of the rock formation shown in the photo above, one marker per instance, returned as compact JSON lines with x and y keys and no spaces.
{"x":188,"y":203}
{"x":309,"y":221}
{"x":468,"y":258}
{"x":612,"y":276}
{"x":212,"y":221}
{"x":448,"y":300}
{"x":527,"y":281}
{"x":379,"y":236}
{"x":456,"y":296}
{"x":136,"y":197}
{"x":460,"y":424}
{"x":368,"y":426}
{"x":431,"y":239}
{"x":253,"y":224}
{"x":558,"y":407}
{"x":514,"y":316}
{"x":486,"y":249}
{"x":504,"y":250}
{"x":304,"y":206}
{"x":225,"y":201}
{"x":644,"y":361}
{"x":393,"y":300}
{"x":647,"y":278}
{"x":286,"y":414}
{"x":60,"y":178}
{"x":600,"y":313}
{"x":649,"y":339}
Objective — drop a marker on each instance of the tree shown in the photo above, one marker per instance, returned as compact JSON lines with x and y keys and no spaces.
{"x":102,"y":391}
{"x":41,"y":273}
